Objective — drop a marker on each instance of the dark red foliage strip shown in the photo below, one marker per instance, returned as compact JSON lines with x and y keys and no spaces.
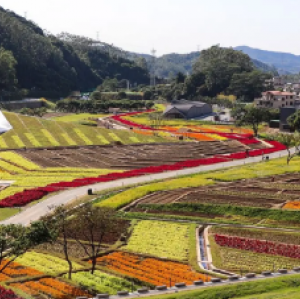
{"x":7,"y":294}
{"x":259,"y":246}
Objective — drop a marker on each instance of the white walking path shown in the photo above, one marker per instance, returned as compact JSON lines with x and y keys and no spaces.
{"x":35,"y":212}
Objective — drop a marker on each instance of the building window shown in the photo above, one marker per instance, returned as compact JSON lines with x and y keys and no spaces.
{"x":292,"y":103}
{"x":282,"y":105}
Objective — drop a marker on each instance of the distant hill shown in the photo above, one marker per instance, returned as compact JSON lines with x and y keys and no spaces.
{"x":49,"y":63}
{"x":171,"y":64}
{"x":284,"y":62}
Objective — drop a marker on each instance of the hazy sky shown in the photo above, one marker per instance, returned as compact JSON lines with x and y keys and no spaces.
{"x":171,"y":25}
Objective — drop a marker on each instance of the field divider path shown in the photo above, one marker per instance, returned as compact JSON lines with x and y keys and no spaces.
{"x":41,"y":209}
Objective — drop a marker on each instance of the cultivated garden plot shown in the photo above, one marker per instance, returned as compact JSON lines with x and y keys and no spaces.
{"x":130,"y":156}
{"x":250,"y":193}
{"x":254,"y":250}
{"x":162,"y":239}
{"x":51,"y":287}
{"x":150,"y":270}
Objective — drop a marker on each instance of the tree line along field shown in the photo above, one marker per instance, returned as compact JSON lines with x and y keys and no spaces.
{"x":32,"y":132}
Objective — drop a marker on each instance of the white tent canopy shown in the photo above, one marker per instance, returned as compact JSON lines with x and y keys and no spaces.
{"x":5,"y":126}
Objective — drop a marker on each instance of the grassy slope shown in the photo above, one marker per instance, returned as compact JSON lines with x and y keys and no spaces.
{"x":289,"y":293}
{"x":36,"y":132}
{"x":7,"y":213}
{"x":282,"y":285}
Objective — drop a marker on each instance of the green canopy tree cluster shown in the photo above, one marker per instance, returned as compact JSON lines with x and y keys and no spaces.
{"x":225,"y":70}
{"x":96,"y":105}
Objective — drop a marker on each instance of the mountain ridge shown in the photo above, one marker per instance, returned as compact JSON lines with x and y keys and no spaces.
{"x":285,"y":62}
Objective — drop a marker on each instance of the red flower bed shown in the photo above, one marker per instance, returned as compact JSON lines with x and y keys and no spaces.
{"x":126,"y":122}
{"x":7,"y":294}
{"x":259,"y":246}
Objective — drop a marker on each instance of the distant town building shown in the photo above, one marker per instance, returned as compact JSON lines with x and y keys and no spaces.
{"x":187,"y":109}
{"x":277,"y":99}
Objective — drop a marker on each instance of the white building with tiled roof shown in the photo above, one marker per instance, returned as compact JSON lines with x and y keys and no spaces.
{"x":277,"y":99}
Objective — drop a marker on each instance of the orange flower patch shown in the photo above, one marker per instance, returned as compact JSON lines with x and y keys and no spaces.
{"x":151,"y":270}
{"x":199,"y":136}
{"x":293,"y":205}
{"x":16,"y":270}
{"x":143,"y":132}
{"x":50,"y":287}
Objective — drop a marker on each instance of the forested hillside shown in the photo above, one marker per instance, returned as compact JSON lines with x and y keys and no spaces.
{"x":44,"y":62}
{"x":171,"y":64}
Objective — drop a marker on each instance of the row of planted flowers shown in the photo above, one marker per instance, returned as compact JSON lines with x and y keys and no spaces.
{"x":259,"y":246}
{"x":27,"y":196}
{"x":198,"y":134}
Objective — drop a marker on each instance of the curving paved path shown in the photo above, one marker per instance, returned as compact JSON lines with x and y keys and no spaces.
{"x":35,"y":212}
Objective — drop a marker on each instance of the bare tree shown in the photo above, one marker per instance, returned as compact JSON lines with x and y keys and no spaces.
{"x":61,"y":224}
{"x":92,"y":225}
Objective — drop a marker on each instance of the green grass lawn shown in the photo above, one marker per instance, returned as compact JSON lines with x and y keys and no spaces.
{"x":290,"y":293}
{"x":7,"y":213}
{"x":286,"y":287}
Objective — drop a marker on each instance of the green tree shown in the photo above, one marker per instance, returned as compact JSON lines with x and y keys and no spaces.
{"x":15,"y":240}
{"x":250,"y":115}
{"x":290,"y":140}
{"x":141,"y":62}
{"x":219,"y":65}
{"x":8,"y":64}
{"x":294,"y":121}
{"x":248,"y":84}
{"x":96,"y":96}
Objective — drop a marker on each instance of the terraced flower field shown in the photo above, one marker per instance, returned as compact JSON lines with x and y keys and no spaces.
{"x":103,"y":283}
{"x":237,"y":261}
{"x":162,"y":239}
{"x":150,"y":270}
{"x":45,"y":263}
{"x":254,"y":250}
{"x":34,"y":132}
{"x":24,"y":174}
{"x":49,"y":287}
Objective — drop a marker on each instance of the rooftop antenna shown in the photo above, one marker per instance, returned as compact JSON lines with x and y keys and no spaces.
{"x":25,"y":14}
{"x":198,"y":48}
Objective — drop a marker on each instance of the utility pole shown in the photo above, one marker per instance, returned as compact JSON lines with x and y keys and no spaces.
{"x":153,"y":68}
